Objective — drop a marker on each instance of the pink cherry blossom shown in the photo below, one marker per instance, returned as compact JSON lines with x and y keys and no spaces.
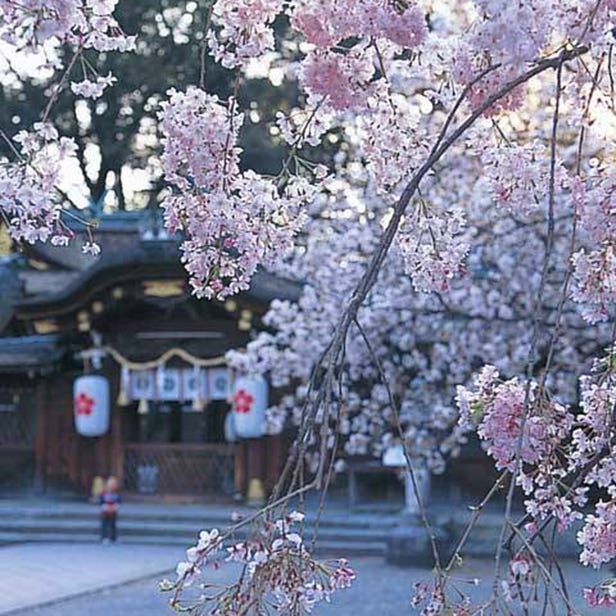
{"x":92,"y":89}
{"x":232,"y":221}
{"x":277,"y":568}
{"x":342,"y":80}
{"x":85,"y":23}
{"x":29,"y":202}
{"x":326,"y":23}
{"x":243,"y":30}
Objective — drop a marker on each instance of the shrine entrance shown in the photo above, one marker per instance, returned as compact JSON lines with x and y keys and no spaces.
{"x":129,"y":318}
{"x":173,"y":429}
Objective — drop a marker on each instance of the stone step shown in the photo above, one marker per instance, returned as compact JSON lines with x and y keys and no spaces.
{"x":325,"y":547}
{"x":486,"y":534}
{"x":198,"y":519}
{"x":353,"y":532}
{"x":170,"y":529}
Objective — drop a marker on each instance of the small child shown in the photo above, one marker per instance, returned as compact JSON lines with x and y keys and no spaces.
{"x":109,"y":502}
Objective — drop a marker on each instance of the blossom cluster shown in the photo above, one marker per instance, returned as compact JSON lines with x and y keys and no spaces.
{"x":29,"y":203}
{"x":498,"y":410}
{"x":92,"y":89}
{"x":391,"y":141}
{"x":598,"y":536}
{"x":507,"y":37}
{"x":433,"y":249}
{"x":352,"y":73}
{"x":594,"y":277}
{"x":519,"y":177}
{"x":276,"y":568}
{"x":594,"y":267}
{"x":82,"y":23}
{"x":562,"y":456}
{"x":346,"y":78}
{"x":325,"y":24}
{"x":504,"y":42}
{"x":200,"y":140}
{"x":603,"y":594}
{"x":341,"y":76}
{"x":243,"y":30}
{"x":232,"y":221}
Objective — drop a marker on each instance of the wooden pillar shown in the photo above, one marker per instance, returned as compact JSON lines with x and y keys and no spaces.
{"x":240,"y":470}
{"x":115,"y":449}
{"x":256,"y":470}
{"x":256,"y":459}
{"x":273,"y":460}
{"x":74,"y":457}
{"x":99,"y":451}
{"x":88,"y":460}
{"x":40,"y":440}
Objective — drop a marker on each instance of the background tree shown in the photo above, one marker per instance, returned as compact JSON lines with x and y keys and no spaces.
{"x":117,"y":138}
{"x":473,"y":155}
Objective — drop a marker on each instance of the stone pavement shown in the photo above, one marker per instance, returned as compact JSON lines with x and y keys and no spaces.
{"x":48,"y":570}
{"x":98,"y":580}
{"x":71,"y":574}
{"x":35,"y":574}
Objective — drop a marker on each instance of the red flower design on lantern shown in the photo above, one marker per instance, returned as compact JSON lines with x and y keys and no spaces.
{"x":242,"y":401}
{"x":83,"y":404}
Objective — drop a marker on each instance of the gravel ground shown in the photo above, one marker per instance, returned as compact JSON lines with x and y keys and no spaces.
{"x":381,"y":590}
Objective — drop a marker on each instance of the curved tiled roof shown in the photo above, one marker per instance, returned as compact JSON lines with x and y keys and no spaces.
{"x":24,"y":353}
{"x":10,"y":289}
{"x":153,"y":261}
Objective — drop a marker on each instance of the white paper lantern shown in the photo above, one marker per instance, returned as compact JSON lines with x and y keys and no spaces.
{"x":169,"y":384}
{"x":142,"y":384}
{"x":191,"y":383}
{"x":91,"y":405}
{"x":249,"y":406}
{"x":218,"y":382}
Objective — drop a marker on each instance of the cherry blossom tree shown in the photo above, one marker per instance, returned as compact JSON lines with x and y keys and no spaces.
{"x":456,"y":255}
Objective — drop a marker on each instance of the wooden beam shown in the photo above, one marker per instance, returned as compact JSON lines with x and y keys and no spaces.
{"x":163,"y":288}
{"x":46,"y":326}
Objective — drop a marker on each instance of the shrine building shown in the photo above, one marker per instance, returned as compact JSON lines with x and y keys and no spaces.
{"x":109,"y":366}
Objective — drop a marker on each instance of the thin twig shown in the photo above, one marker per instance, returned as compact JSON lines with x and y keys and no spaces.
{"x":60,"y":85}
{"x":535,"y":334}
{"x":407,"y":458}
{"x":476,"y":513}
{"x":203,"y":49}
{"x":572,"y":242}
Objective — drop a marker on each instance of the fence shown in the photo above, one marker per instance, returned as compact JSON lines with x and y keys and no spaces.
{"x":182,"y":468}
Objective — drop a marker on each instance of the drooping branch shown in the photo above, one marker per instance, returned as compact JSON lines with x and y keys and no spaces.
{"x":439,"y":149}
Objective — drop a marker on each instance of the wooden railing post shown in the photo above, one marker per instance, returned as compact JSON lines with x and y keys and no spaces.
{"x":40,"y":442}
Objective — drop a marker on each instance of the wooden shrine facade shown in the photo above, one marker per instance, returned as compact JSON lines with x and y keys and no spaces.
{"x":119,"y":313}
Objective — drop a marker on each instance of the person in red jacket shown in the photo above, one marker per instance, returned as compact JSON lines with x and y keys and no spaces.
{"x":109,"y":503}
